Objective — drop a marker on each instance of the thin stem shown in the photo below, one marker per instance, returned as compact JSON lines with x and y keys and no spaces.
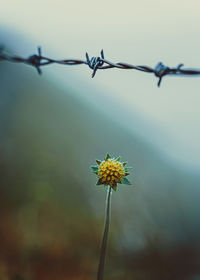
{"x":105,"y":237}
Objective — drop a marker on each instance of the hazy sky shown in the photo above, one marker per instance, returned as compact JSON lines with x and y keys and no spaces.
{"x":137,"y":32}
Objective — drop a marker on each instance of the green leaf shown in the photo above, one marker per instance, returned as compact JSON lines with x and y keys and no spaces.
{"x":107,"y":157}
{"x":98,"y":161}
{"x":125,"y":181}
{"x":118,"y":159}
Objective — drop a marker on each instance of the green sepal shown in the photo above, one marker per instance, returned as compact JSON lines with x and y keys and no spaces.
{"x":127,"y":169}
{"x":94,"y":168}
{"x":99,"y":182}
{"x":124,"y":163}
{"x":98,"y":161}
{"x":118,"y":159}
{"x":125,"y":181}
{"x":107,"y":157}
{"x":114,"y":188}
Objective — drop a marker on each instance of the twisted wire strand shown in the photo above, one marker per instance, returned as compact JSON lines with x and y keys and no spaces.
{"x":100,"y":63}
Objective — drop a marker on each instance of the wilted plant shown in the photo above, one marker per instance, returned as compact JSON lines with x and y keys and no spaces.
{"x":110,"y":172}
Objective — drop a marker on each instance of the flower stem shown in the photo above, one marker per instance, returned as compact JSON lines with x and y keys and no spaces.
{"x":105,"y":237}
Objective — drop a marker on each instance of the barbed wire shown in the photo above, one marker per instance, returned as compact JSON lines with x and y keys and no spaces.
{"x":99,"y":63}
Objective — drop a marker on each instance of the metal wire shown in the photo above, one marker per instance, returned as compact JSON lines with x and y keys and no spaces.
{"x":100,"y":63}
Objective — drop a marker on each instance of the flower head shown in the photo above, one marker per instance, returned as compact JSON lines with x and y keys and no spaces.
{"x":111,"y":171}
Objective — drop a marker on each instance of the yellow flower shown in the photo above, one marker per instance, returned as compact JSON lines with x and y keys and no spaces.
{"x":111,"y":171}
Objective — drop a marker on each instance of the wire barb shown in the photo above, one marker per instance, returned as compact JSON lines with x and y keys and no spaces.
{"x":95,"y":62}
{"x":160,"y":71}
{"x":35,"y":60}
{"x":99,"y":63}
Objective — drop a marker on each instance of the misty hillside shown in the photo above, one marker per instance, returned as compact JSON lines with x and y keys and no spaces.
{"x":51,"y":211}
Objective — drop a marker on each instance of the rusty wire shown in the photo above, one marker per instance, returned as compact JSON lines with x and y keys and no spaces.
{"x":99,"y":63}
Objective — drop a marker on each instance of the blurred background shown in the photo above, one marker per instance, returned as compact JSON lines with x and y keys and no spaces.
{"x":53,"y":127}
